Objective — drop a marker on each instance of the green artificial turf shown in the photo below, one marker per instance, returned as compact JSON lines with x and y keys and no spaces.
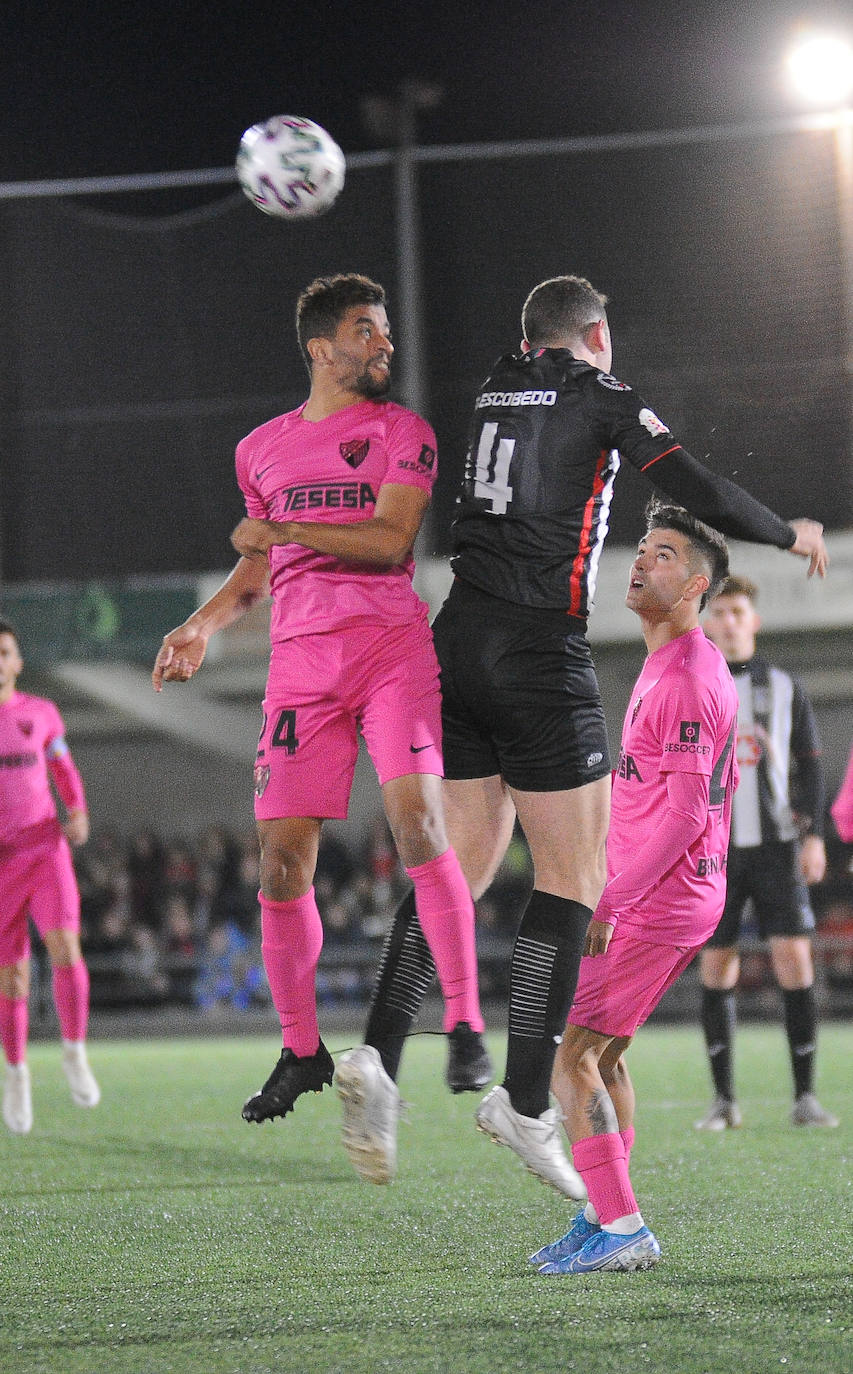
{"x":159,"y":1232}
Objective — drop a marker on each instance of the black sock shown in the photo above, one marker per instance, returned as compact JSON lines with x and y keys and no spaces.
{"x":718,"y":1023}
{"x":405,"y":973}
{"x":801,"y":1027}
{"x":543,"y":977}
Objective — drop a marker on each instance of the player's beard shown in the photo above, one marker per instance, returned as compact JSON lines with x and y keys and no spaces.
{"x":371,"y":386}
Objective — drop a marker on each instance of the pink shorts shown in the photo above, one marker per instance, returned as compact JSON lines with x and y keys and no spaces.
{"x":618,"y":991}
{"x":322,"y":690}
{"x":38,"y":881}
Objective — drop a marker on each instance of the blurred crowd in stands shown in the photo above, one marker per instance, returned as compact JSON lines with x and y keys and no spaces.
{"x":177,"y":921}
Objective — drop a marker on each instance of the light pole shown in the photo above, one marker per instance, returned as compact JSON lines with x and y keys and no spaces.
{"x":396,"y":119}
{"x":820,"y":66}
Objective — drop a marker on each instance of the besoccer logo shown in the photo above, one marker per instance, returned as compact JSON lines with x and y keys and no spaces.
{"x":689,"y":732}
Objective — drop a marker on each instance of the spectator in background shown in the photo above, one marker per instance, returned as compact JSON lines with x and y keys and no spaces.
{"x":776,"y":849}
{"x":145,"y":868}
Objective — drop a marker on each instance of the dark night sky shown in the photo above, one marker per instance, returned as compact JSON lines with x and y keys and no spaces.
{"x":109,"y":87}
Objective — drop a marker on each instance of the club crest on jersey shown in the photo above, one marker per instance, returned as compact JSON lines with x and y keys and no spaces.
{"x":262,"y":777}
{"x":612,"y":383}
{"x":354,"y":451}
{"x":25,"y":727}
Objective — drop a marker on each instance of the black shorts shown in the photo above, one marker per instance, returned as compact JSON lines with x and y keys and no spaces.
{"x":769,"y":874}
{"x":519,"y":695}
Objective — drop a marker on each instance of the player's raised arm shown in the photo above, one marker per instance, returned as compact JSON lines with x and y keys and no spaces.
{"x":182,"y":652}
{"x":385,"y":540}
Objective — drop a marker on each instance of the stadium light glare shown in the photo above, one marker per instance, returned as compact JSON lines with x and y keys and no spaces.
{"x":820,"y":66}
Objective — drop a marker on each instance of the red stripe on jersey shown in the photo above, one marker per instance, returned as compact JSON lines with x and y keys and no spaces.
{"x":579,"y":566}
{"x":674,"y":449}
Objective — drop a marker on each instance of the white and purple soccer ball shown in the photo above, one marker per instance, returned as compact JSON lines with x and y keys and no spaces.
{"x":290,"y":167}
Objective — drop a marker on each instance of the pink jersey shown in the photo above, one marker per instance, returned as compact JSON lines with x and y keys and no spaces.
{"x":32,"y":741}
{"x":682,"y":717}
{"x":332,"y":470}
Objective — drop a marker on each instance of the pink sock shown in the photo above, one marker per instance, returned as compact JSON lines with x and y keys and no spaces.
{"x":600,"y":1161}
{"x":291,"y":940}
{"x":14,"y":1026}
{"x":446,"y":915}
{"x":628,"y":1141}
{"x":71,"y":999}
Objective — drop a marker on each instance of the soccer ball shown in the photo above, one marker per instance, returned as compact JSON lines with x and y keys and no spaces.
{"x":290,"y":167}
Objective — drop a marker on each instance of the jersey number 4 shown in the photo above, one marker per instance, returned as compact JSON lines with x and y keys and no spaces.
{"x":721,"y":778}
{"x":491,"y":475}
{"x":284,"y":732}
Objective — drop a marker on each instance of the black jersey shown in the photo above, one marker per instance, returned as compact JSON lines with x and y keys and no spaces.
{"x":544,"y":452}
{"x":777,"y":745}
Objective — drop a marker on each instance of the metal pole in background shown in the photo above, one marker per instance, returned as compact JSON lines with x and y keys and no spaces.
{"x":409,"y":307}
{"x":844,"y":186}
{"x":397,"y":119}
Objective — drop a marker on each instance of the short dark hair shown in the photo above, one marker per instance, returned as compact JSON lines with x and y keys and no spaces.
{"x":706,"y":544}
{"x":560,"y":308}
{"x":7,"y":628}
{"x":738,"y":586}
{"x":324,"y":302}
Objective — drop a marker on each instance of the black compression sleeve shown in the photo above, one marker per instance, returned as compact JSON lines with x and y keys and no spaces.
{"x":720,"y":503}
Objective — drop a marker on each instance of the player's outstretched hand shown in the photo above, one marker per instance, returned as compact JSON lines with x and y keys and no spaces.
{"x":181,"y":655}
{"x":76,"y":827}
{"x":809,"y":544}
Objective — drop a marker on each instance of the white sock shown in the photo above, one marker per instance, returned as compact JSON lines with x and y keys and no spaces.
{"x":590,"y":1214}
{"x":625,"y":1226}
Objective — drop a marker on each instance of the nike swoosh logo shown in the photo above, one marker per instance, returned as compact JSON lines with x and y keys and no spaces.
{"x":418,"y":749}
{"x":259,"y":474}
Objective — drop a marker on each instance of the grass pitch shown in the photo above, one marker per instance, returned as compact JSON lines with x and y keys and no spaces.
{"x":160,"y":1234}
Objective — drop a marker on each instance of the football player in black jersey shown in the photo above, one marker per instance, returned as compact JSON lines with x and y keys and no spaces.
{"x":524,"y":732}
{"x":773,"y":855}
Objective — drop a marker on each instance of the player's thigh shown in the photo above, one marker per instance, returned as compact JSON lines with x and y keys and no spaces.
{"x":544,"y":710}
{"x":393,"y":691}
{"x":480,"y":815}
{"x":15,"y":892}
{"x":55,"y":897}
{"x":782,"y":903}
{"x":566,"y":832}
{"x":618,"y":990}
{"x":738,"y":891}
{"x":308,"y":744}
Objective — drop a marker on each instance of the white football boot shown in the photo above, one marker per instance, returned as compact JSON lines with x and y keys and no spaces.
{"x":535,"y":1139}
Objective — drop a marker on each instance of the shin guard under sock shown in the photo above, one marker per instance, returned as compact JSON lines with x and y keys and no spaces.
{"x":543,"y":977}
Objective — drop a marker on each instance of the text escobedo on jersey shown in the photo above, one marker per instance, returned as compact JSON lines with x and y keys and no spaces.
{"x":515,"y":398}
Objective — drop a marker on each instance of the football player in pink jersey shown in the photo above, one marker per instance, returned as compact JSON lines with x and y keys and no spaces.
{"x":666,"y":879}
{"x":335,"y":494}
{"x":37,"y":881}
